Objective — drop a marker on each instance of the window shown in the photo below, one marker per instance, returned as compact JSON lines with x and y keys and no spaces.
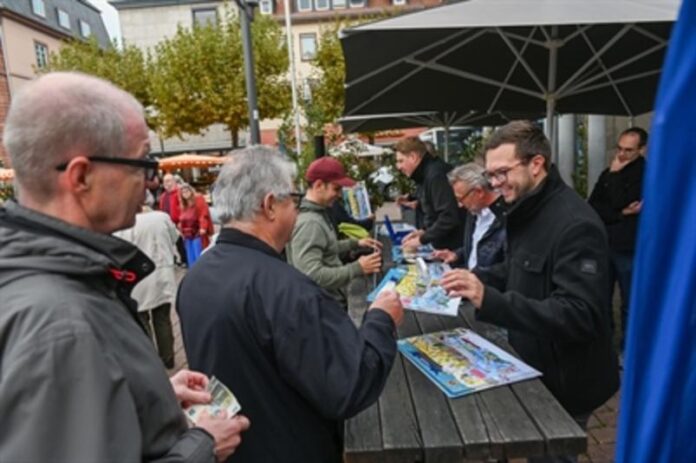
{"x":266,"y":6}
{"x":308,"y":46}
{"x":63,"y":19}
{"x":339,"y":3}
{"x":85,"y":29}
{"x":205,"y":16}
{"x":321,"y":4}
{"x":41,"y":51}
{"x":304,"y":5}
{"x":38,"y":7}
{"x":399,"y":2}
{"x":357,"y":3}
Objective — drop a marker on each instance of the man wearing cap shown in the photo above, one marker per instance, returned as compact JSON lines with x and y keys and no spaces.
{"x":315,"y":249}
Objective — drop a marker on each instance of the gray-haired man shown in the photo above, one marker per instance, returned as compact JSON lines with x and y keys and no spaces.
{"x":484,"y":231}
{"x":79,"y":379}
{"x":285,"y":347}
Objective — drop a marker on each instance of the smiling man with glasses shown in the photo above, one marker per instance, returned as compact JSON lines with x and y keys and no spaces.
{"x":551,"y":291}
{"x":81,"y":380}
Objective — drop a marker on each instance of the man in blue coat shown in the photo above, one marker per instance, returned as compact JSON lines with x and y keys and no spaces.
{"x":282,"y":344}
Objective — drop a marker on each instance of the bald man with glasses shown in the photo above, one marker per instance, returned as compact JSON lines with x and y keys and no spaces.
{"x":80,"y":379}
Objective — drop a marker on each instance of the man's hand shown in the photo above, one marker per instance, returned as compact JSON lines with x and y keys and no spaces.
{"x":370,"y":243}
{"x":633,"y":208}
{"x":445,"y":255}
{"x":404,"y":201}
{"x":225,"y":431}
{"x":370,"y":263}
{"x":189,"y":388}
{"x":411,"y":241}
{"x":463,"y":283}
{"x":389,"y":302}
{"x":618,"y":163}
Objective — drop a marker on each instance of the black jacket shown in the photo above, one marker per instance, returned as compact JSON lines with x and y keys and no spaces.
{"x":442,"y":219}
{"x":554,"y":299}
{"x":613,"y":192}
{"x":491,"y":247}
{"x":288,"y":351}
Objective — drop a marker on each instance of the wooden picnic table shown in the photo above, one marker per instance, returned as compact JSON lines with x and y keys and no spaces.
{"x":413,"y":421}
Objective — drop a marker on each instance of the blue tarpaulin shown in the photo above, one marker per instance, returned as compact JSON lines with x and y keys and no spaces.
{"x":658,"y":403}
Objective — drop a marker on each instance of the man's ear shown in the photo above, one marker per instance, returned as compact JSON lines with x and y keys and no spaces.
{"x":268,"y":205}
{"x":79,"y":175}
{"x":538,"y":162}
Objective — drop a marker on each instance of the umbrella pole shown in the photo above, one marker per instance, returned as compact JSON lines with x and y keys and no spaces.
{"x":447,"y":130}
{"x":553,"y":45}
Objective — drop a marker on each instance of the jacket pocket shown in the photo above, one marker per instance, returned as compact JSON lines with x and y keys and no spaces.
{"x":528,"y":274}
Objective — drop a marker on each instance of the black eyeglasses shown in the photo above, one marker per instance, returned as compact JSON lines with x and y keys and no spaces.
{"x":296,"y":198}
{"x":148,"y":164}
{"x":501,"y":175}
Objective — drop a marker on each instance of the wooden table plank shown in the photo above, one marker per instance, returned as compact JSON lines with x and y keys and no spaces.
{"x":562,"y":434}
{"x":441,"y":441}
{"x":400,"y":431}
{"x":465,"y":410}
{"x":363,"y":437}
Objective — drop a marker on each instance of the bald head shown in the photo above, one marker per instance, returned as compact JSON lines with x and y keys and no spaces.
{"x":60,"y":116}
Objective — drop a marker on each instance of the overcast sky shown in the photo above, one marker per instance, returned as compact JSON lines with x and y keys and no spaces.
{"x":110,"y":16}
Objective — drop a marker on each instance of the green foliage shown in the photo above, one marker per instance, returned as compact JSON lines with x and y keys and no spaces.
{"x":126,"y":67}
{"x":6,"y":192}
{"x":198,"y":79}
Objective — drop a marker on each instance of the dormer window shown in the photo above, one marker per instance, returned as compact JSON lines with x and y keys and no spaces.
{"x":63,"y":19}
{"x":266,"y":6}
{"x":85,"y":29}
{"x":38,"y":7}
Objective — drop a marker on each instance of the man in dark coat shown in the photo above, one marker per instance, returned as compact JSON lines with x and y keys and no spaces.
{"x":551,"y":293}
{"x":283,"y":345}
{"x":617,"y":198}
{"x":442,"y":220}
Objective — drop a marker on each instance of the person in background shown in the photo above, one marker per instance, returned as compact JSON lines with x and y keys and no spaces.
{"x":484,"y":231}
{"x":442,"y":222}
{"x":618,"y":198}
{"x":154,"y":234}
{"x":81,"y":381}
{"x":315,"y":249}
{"x":195,"y":223}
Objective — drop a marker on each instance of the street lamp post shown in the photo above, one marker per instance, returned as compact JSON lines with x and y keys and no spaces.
{"x":246,"y":8}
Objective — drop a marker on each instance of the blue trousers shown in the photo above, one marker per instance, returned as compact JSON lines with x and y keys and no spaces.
{"x":621,"y":271}
{"x":193,"y":250}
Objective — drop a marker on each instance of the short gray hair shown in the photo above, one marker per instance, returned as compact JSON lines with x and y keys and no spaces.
{"x":58,"y":113}
{"x":472,"y":174}
{"x":247,"y":178}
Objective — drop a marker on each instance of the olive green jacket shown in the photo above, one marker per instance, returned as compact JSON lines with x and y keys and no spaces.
{"x":315,"y":251}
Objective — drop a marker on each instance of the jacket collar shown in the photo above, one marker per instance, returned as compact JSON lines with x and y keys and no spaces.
{"x":237,"y":237}
{"x":418,"y":175}
{"x":71,"y":249}
{"x":528,"y":205}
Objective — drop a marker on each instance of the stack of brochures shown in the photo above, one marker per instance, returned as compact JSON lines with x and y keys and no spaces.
{"x":419,"y":288}
{"x":460,"y":362}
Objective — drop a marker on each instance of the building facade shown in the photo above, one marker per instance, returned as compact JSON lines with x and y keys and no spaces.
{"x":30,"y":30}
{"x":146,"y":22}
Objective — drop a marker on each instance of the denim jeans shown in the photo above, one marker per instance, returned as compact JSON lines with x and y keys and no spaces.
{"x":621,"y":271}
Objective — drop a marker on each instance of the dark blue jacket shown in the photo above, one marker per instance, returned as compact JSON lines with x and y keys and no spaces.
{"x":286,"y":349}
{"x":491,"y":247}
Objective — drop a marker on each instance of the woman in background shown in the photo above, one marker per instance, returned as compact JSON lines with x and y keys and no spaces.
{"x":195,"y":223}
